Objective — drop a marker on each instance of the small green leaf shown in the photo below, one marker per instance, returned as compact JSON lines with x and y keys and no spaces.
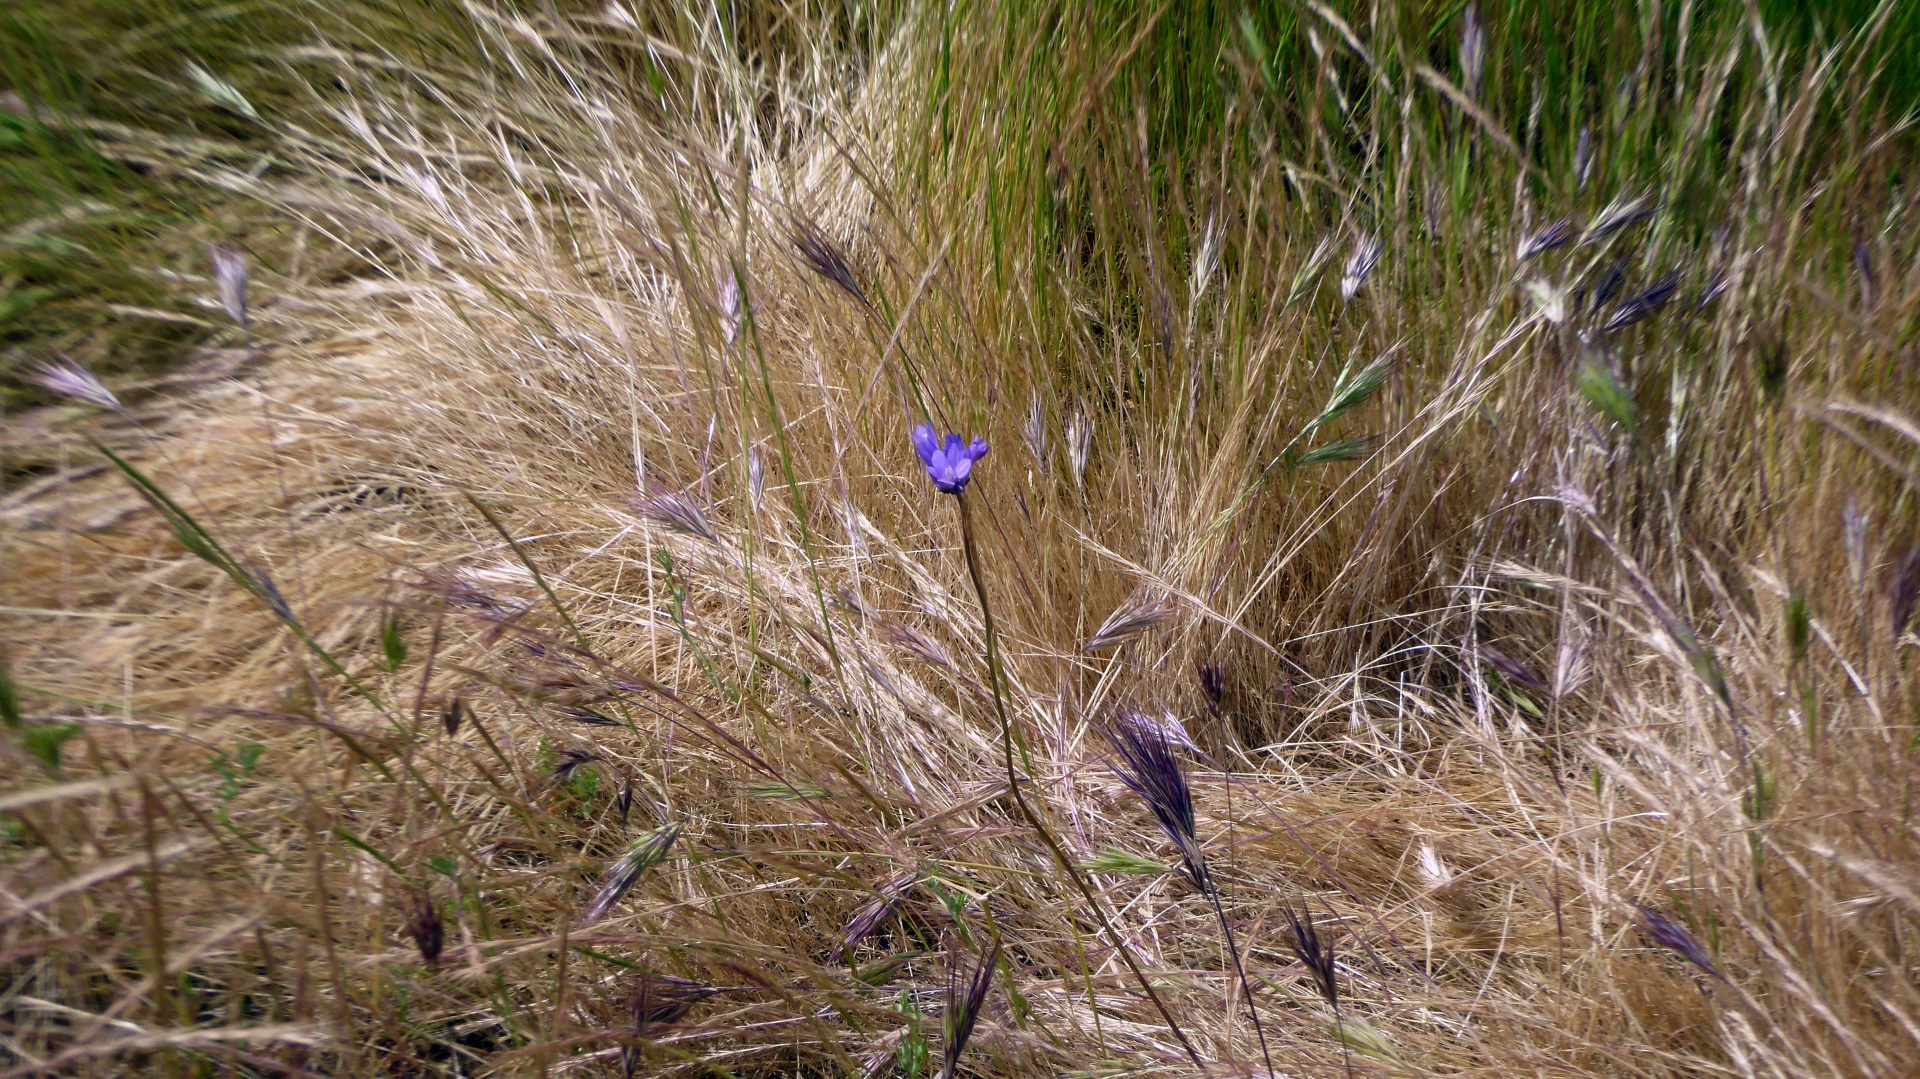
{"x":392,"y":645}
{"x":44,"y":740}
{"x":1799,"y":627}
{"x":1771,"y":367}
{"x":1604,"y":391}
{"x":9,"y":697}
{"x":1113,"y":859}
{"x":443,"y":865}
{"x":20,"y":301}
{"x":361,"y":844}
{"x":1758,"y":802}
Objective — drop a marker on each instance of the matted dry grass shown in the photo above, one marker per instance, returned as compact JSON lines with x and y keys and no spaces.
{"x":1495,"y":694}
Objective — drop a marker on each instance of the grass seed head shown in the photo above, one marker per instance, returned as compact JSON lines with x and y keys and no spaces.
{"x":569,"y":761}
{"x":1903,"y":589}
{"x":1512,"y":669}
{"x":1360,"y":264}
{"x":966,"y":995}
{"x":1314,"y":953}
{"x":230,"y":280}
{"x":1142,"y":611}
{"x":1545,"y":239}
{"x":1643,"y":303}
{"x":873,"y":914}
{"x":68,"y":379}
{"x":676,"y":512}
{"x":1147,"y":765}
{"x":429,"y":933}
{"x":824,"y":257}
{"x":624,"y":873}
{"x":1473,"y":51}
{"x":1670,"y":933}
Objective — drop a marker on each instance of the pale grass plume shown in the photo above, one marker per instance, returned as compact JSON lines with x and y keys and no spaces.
{"x":230,"y":280}
{"x":68,"y":379}
{"x":1079,"y":437}
{"x":675,"y":511}
{"x":1473,"y":51}
{"x":1360,"y":263}
{"x":1144,"y":609}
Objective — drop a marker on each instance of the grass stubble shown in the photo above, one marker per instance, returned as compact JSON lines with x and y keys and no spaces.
{"x":1448,"y":537}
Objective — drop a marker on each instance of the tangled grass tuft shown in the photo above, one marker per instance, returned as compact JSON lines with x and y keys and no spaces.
{"x":525,"y":642}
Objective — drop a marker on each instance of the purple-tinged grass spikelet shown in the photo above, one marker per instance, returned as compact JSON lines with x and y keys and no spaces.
{"x":1544,"y":240}
{"x":1512,"y":669}
{"x":1641,"y":304}
{"x":965,"y":997}
{"x":429,"y":933}
{"x":1624,"y":211}
{"x":1149,"y":768}
{"x":230,"y":280}
{"x":1314,"y":953}
{"x":825,"y":258}
{"x":654,"y":1001}
{"x":676,"y":512}
{"x":569,"y":761}
{"x":1473,"y":52}
{"x":1669,"y":933}
{"x":1140,"y":612}
{"x":68,"y":379}
{"x":1903,"y":588}
{"x":873,"y":914}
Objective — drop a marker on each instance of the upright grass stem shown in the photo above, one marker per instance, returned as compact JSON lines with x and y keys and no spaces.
{"x":1066,"y":864}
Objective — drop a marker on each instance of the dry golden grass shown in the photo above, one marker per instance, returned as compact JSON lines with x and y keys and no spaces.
{"x":1493,"y":693}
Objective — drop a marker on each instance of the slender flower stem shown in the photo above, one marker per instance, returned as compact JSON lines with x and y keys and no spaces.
{"x":1013,"y":783}
{"x":1240,"y":967}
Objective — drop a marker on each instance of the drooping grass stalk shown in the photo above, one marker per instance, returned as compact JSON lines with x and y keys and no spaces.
{"x":1149,"y":768}
{"x":1013,"y":783}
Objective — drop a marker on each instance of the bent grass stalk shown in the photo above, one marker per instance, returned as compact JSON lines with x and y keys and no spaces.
{"x":1013,"y":783}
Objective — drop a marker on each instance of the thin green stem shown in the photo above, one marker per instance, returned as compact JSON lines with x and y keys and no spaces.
{"x":1013,"y":783}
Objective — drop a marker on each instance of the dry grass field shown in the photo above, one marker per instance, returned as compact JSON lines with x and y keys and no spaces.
{"x":1436,"y":601}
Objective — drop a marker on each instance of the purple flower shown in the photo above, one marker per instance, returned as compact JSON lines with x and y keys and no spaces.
{"x":949,"y":465}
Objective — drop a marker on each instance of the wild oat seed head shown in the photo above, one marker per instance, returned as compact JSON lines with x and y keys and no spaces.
{"x":68,"y":379}
{"x":676,"y":512}
{"x":230,"y":280}
{"x":1360,"y":264}
{"x":624,"y":873}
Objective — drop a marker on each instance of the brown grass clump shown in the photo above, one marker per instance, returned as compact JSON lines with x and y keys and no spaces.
{"x":543,"y":654}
